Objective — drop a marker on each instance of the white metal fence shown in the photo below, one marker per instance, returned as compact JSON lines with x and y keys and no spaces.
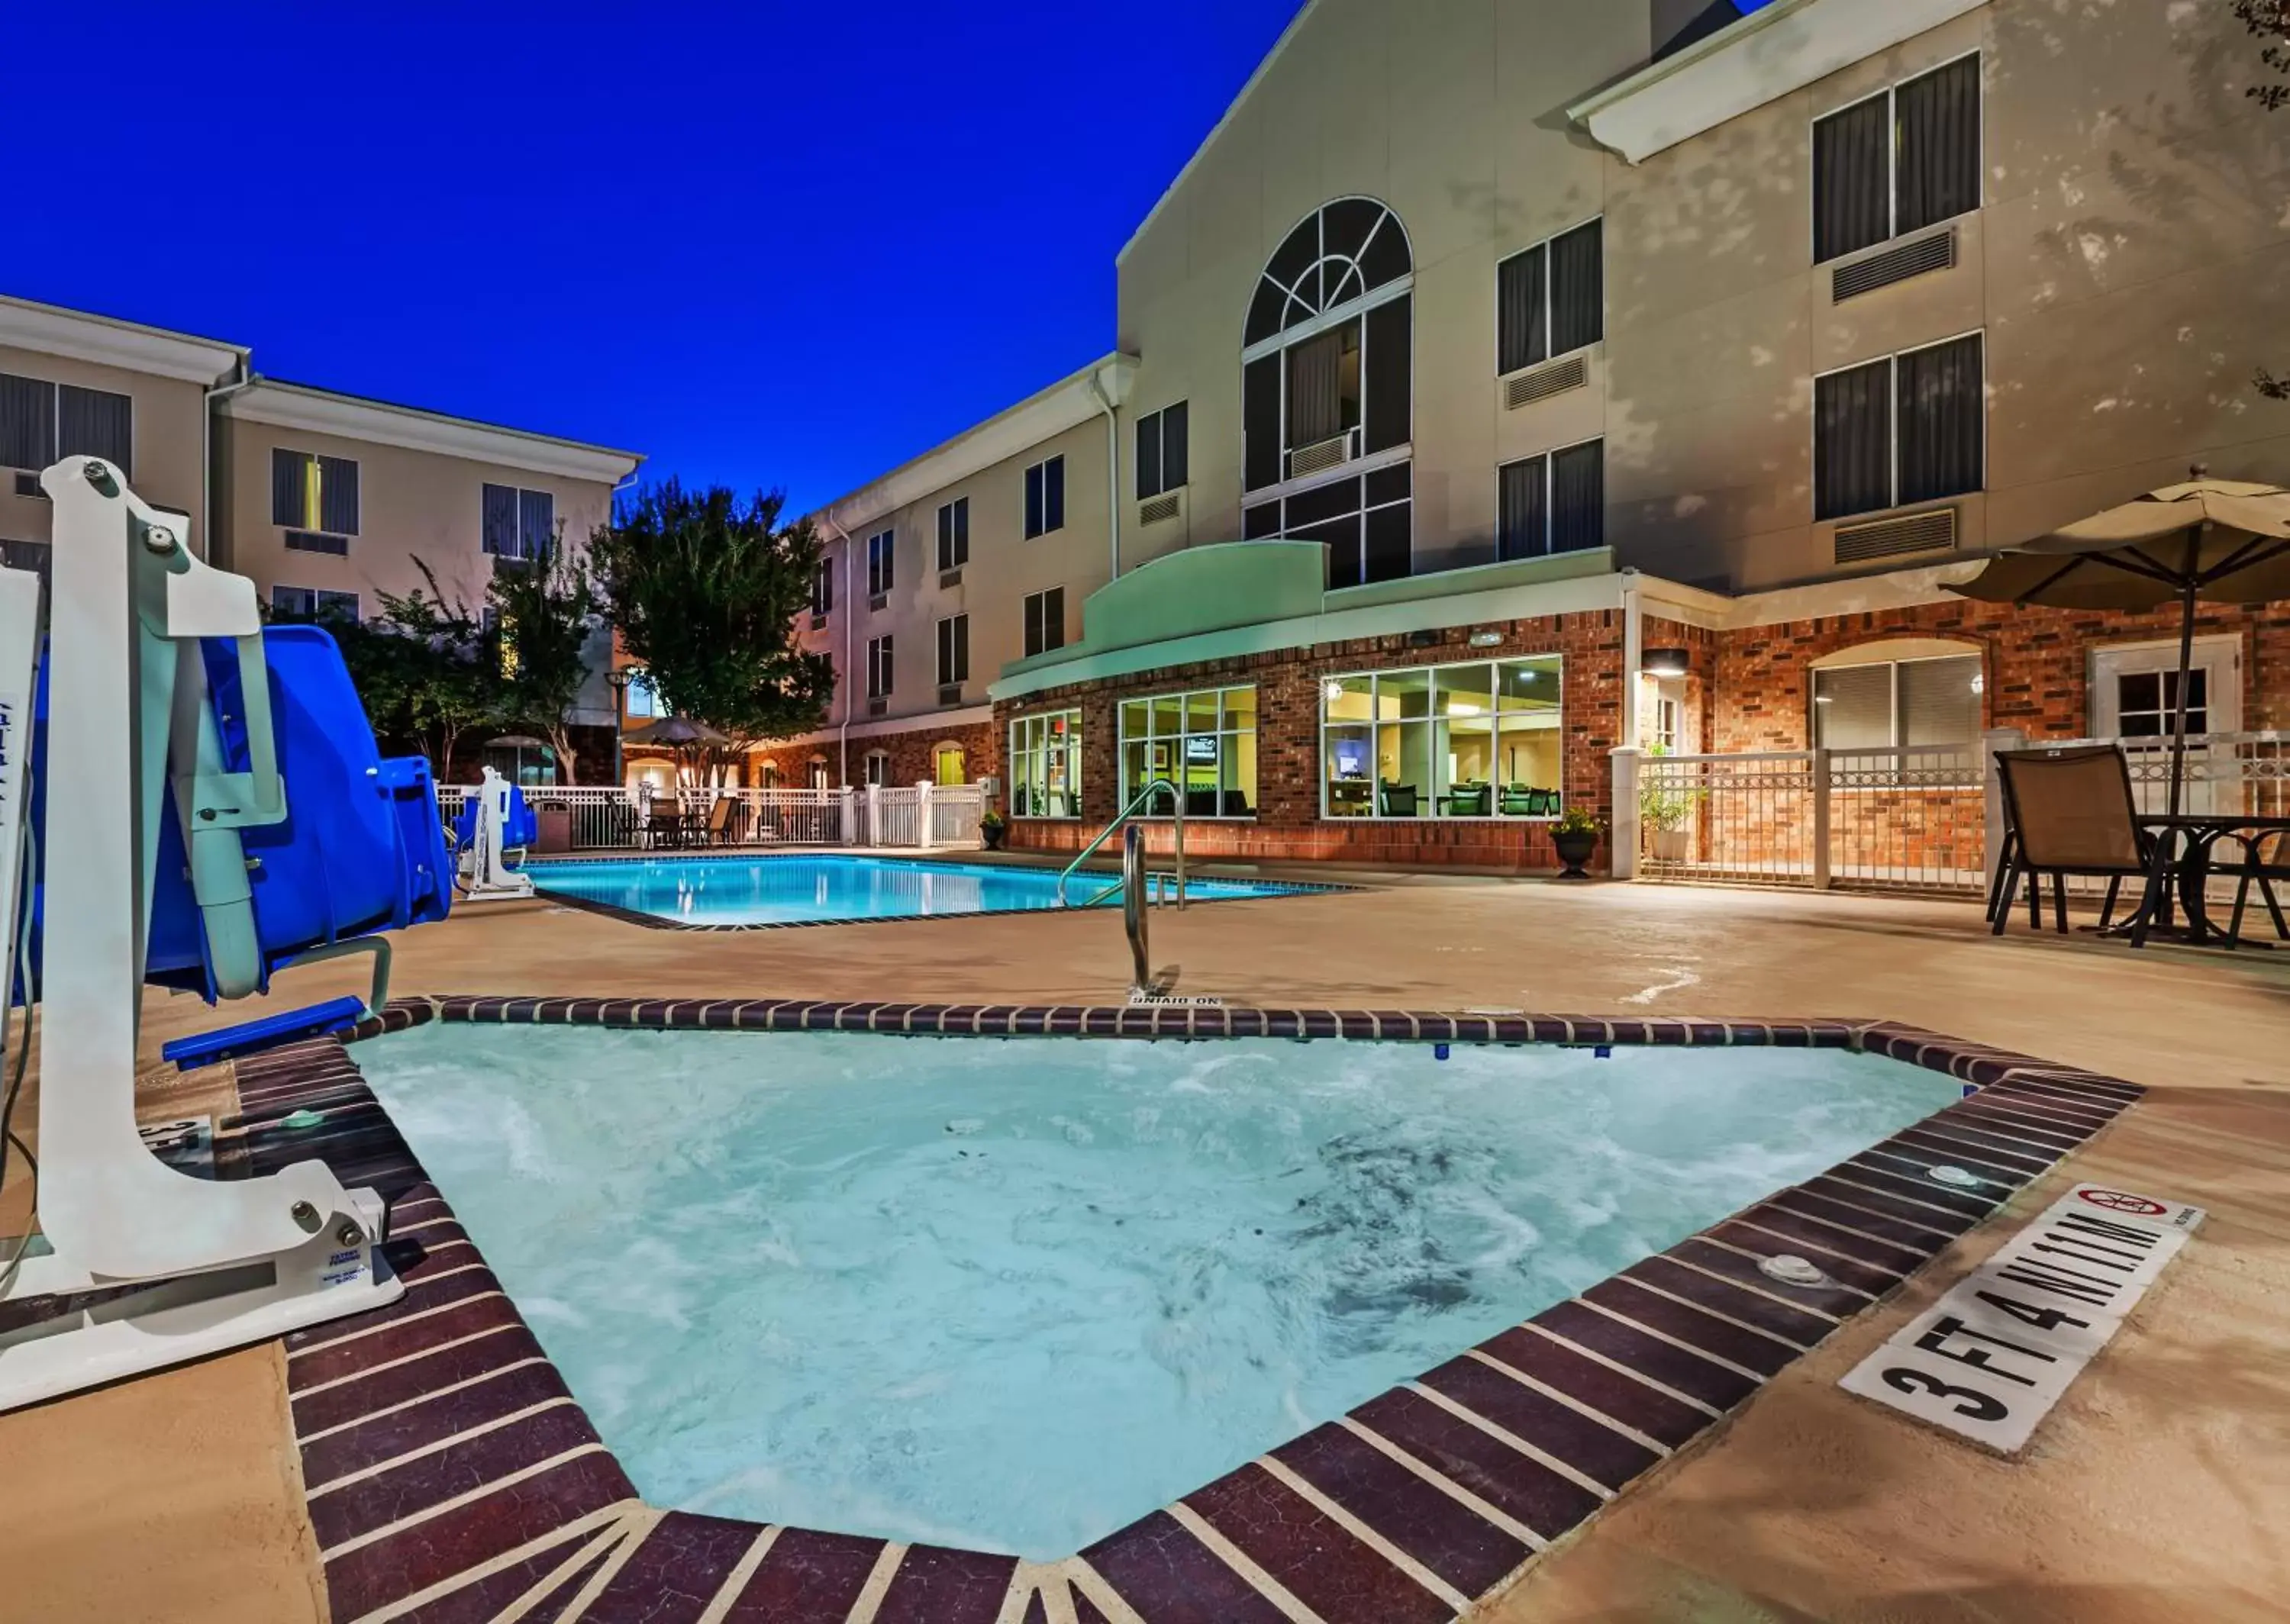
{"x":915,"y":816}
{"x":1917,"y":818}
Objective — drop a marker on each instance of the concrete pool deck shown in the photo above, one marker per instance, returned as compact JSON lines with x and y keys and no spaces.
{"x":2158,"y":1487}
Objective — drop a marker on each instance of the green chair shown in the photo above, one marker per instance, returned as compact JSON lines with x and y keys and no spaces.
{"x":1517,"y":801}
{"x":1398,"y":800}
{"x":1471,"y":800}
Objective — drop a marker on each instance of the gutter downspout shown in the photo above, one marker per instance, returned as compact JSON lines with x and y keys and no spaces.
{"x":843,"y":682}
{"x":239,"y":378}
{"x":1112,"y":471}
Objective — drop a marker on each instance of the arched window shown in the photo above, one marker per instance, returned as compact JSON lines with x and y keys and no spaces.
{"x":1327,"y":385}
{"x":1898,"y":691}
{"x":946,"y":763}
{"x":771,"y":778}
{"x":879,"y":767}
{"x":818,"y":772}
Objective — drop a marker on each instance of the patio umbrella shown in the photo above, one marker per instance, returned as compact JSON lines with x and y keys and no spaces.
{"x":679,"y":733}
{"x":2222,"y":541}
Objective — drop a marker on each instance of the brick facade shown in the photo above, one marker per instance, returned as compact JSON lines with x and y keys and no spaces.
{"x":2037,"y":664}
{"x":913,"y":755}
{"x":1288,"y":823}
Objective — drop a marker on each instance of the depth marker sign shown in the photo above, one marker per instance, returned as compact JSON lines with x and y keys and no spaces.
{"x":1990,"y":1358}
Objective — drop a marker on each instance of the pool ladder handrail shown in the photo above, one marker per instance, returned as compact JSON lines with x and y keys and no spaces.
{"x":1177,"y":804}
{"x":1133,"y":910}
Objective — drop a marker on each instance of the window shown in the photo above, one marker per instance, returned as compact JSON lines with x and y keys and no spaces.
{"x":1327,"y":379}
{"x":878,"y":562}
{"x":643,"y":702}
{"x":954,"y":651}
{"x":1046,"y":766}
{"x":878,"y":667}
{"x":1905,"y":158}
{"x":1045,"y":621}
{"x":815,"y":771}
{"x":33,"y":557}
{"x":315,"y":500}
{"x":878,"y":767}
{"x":1163,"y":463}
{"x":1554,"y":503}
{"x":1476,"y":740}
{"x":1552,"y":299}
{"x":954,"y":533}
{"x":1877,"y":706}
{"x":1365,"y":522}
{"x":1204,"y":742}
{"x":1911,"y":428}
{"x":946,"y":765}
{"x":43,"y":422}
{"x":1045,"y":501}
{"x":312,"y":604}
{"x":518,"y":525}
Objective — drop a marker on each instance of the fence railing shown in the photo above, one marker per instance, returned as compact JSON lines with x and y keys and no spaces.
{"x":1912,"y":817}
{"x":609,"y":817}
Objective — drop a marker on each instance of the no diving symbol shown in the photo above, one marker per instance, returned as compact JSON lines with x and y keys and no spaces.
{"x":2116,"y":1201}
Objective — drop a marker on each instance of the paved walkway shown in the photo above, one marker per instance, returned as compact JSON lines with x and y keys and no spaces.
{"x":2161,"y":1488}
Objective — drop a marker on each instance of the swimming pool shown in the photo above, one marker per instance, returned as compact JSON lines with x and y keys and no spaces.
{"x":1011,"y":1296}
{"x":734,"y":892}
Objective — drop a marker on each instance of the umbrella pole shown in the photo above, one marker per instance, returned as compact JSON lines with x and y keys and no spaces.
{"x":2190,"y":580}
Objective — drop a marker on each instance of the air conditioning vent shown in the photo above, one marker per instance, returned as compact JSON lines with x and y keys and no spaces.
{"x":28,"y":484}
{"x":1930,"y":532}
{"x":1545,"y":381}
{"x":950,"y":693}
{"x":312,"y":541}
{"x":876,"y":708}
{"x":949,"y":577}
{"x":1160,"y":508}
{"x":1934,"y":252}
{"x":1313,"y":459}
{"x":880,"y":601}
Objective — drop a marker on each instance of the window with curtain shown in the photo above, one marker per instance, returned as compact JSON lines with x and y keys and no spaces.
{"x":1324,"y":386}
{"x":43,"y":422}
{"x":954,"y":533}
{"x":878,"y":562}
{"x":1045,"y":497}
{"x":1908,"y":429}
{"x":313,"y":603}
{"x":1904,"y":159}
{"x":953,"y":650}
{"x":1045,"y":620}
{"x":499,"y":509}
{"x":1552,"y":503}
{"x":310,"y":493}
{"x":519,"y":526}
{"x":1550,"y":299}
{"x":878,"y":667}
{"x":1894,"y":702}
{"x":1204,"y":741}
{"x":1163,"y":463}
{"x":878,"y":767}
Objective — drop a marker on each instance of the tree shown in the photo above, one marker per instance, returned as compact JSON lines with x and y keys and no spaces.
{"x":2269,"y":20}
{"x":440,"y":675}
{"x":704,"y":590}
{"x":544,"y":614}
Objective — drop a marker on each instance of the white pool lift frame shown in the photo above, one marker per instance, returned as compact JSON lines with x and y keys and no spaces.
{"x":209,"y":1264}
{"x":487,"y":876}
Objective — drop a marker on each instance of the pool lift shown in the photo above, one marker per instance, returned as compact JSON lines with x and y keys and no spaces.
{"x":221,"y":813}
{"x":495,"y":817}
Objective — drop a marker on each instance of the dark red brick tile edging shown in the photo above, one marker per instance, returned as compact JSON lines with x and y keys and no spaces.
{"x":452,"y":1475}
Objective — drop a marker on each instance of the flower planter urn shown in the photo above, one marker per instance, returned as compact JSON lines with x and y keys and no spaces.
{"x":995,"y":834}
{"x":1575,"y":848}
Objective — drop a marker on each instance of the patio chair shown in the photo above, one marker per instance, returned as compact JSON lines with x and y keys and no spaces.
{"x":2067,"y":812}
{"x":1398,"y":800}
{"x":723,"y":823}
{"x":2265,"y":859}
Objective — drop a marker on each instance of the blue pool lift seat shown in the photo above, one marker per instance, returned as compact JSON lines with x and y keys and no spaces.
{"x":361,"y":850}
{"x":520,"y":830}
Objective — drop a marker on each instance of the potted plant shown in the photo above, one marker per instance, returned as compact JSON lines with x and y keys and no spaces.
{"x":1574,"y":837}
{"x":995,"y":827}
{"x":1663,"y":810}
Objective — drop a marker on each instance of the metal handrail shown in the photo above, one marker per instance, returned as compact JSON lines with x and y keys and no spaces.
{"x":1133,"y":909}
{"x":1176,"y":799}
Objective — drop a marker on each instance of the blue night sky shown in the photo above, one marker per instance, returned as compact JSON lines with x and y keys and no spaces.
{"x":783,"y":244}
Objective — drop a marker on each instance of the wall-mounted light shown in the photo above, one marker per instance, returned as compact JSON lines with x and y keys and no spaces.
{"x":1486,"y":639}
{"x":1666,"y":662}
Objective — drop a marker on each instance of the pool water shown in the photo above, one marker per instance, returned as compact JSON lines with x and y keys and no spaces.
{"x":797,"y":889}
{"x":1012,"y":1295}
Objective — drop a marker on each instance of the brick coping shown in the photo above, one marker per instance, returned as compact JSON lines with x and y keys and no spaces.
{"x":1268,"y":889}
{"x":450,"y":1473}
